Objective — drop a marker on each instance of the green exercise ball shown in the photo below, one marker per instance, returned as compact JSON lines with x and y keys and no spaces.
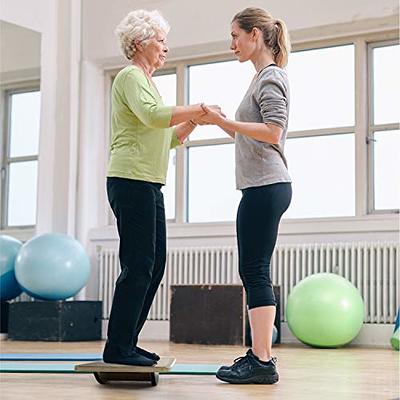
{"x":395,"y":339}
{"x":325,"y":310}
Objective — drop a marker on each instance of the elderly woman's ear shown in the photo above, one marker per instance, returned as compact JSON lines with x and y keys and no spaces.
{"x":137,"y":46}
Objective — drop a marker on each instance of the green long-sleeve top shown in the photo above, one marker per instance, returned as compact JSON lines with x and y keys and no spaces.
{"x":141,"y":136}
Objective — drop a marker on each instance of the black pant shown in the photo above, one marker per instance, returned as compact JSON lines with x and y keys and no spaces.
{"x":258,"y":217}
{"x":139,"y":209}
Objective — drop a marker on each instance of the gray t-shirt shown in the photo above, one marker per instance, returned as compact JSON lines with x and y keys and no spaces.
{"x":266,"y":100}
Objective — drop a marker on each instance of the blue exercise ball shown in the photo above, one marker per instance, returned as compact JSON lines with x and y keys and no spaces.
{"x":52,"y":266}
{"x":274,"y":334}
{"x":397,"y":322}
{"x":9,"y":248}
{"x":325,"y":310}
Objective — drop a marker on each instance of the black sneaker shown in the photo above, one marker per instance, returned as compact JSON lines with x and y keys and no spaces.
{"x":143,"y":352}
{"x":249,"y":369}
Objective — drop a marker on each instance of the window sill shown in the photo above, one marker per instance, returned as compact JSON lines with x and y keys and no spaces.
{"x":22,"y":234}
{"x":371,"y":224}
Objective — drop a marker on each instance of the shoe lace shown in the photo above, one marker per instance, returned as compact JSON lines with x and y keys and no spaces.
{"x":239,"y":361}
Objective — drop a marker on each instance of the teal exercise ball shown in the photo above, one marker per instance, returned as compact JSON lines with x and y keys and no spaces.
{"x":274,"y":334}
{"x":52,"y":267}
{"x":9,"y":287}
{"x":325,"y":310}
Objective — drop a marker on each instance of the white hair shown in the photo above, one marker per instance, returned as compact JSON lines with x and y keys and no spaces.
{"x":139,"y":26}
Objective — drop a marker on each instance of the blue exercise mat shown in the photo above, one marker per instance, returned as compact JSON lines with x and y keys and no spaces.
{"x":20,"y":367}
{"x":50,"y":357}
{"x":31,"y":368}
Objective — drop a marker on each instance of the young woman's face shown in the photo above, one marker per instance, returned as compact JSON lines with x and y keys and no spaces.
{"x":156,"y":50}
{"x":242,"y":43}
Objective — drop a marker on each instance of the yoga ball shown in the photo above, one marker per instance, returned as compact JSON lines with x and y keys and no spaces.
{"x":395,"y":339}
{"x":9,"y":288}
{"x":52,"y":267}
{"x":325,"y":310}
{"x":397,"y":322}
{"x":274,"y":334}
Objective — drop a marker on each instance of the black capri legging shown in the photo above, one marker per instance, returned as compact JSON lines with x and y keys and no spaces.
{"x":259,"y":213}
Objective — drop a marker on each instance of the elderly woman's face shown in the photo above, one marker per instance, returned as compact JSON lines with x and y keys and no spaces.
{"x":156,"y":50}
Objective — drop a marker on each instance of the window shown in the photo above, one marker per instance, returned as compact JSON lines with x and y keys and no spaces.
{"x":386,"y":84}
{"x":384,"y":133}
{"x":320,"y":147}
{"x":20,"y":158}
{"x":321,"y":122}
{"x":222,"y":83}
{"x":211,"y":188}
{"x":386,"y":170}
{"x":322,"y":169}
{"x":332,"y":128}
{"x":322,"y":88}
{"x":212,"y":194}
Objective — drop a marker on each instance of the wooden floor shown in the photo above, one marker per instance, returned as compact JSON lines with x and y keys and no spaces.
{"x":305,"y":373}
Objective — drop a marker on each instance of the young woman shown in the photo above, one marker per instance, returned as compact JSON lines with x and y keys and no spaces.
{"x":261,"y":174}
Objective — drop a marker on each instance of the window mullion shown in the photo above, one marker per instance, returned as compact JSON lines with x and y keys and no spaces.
{"x":209,"y":142}
{"x":21,"y":159}
{"x":321,"y":132}
{"x":7,"y":160}
{"x":362,"y":183}
{"x":5,"y":156}
{"x":384,"y":127}
{"x":180,"y":164}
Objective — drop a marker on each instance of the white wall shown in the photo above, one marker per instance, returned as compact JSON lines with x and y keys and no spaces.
{"x":28,"y":14}
{"x":19,"y":48}
{"x":198,"y":22}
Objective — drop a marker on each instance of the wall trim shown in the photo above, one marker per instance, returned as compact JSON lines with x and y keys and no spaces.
{"x":318,"y":226}
{"x":300,"y":38}
{"x":377,"y":335}
{"x":20,"y":75}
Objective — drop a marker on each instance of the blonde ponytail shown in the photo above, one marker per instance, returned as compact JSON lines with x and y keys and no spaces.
{"x":282,"y":48}
{"x":274,"y":31}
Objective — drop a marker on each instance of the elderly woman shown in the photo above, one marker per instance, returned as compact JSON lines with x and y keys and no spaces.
{"x":143,"y":132}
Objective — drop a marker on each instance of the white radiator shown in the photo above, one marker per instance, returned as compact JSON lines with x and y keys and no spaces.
{"x":372,"y":267}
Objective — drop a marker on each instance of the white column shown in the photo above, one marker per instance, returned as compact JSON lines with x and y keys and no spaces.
{"x":54,"y":146}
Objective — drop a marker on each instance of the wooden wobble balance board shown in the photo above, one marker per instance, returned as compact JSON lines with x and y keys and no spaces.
{"x":104,"y":372}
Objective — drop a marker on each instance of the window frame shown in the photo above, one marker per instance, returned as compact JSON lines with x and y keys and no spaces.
{"x":373,"y":128}
{"x":7,"y":91}
{"x":350,"y":129}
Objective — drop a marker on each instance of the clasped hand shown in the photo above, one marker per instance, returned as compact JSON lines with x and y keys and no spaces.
{"x":212,"y":115}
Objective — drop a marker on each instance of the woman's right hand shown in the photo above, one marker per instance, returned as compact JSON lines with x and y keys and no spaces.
{"x":213,"y":108}
{"x":213,"y":115}
{"x":207,"y":109}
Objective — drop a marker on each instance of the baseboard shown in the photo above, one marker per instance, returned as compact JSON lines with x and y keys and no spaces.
{"x":371,"y":334}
